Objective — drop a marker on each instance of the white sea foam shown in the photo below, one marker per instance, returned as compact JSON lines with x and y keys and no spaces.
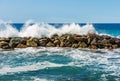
{"x":43,"y":29}
{"x":6,"y":30}
{"x":34,"y":67}
{"x":102,"y":60}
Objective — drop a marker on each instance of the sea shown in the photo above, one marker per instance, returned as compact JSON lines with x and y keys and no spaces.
{"x":59,"y":64}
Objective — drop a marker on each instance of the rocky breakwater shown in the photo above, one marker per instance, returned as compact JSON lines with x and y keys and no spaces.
{"x":92,"y":41}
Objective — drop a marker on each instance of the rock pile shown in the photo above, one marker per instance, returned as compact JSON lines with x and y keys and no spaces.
{"x":92,"y":41}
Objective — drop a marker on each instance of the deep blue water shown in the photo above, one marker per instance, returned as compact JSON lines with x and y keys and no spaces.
{"x":62,"y":64}
{"x":102,"y":28}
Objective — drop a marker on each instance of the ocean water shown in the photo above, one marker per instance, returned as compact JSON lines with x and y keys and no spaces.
{"x":58,"y":64}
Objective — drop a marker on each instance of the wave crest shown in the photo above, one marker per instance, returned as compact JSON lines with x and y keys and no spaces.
{"x":43,"y":30}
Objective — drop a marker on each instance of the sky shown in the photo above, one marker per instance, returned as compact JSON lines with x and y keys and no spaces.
{"x":61,"y":11}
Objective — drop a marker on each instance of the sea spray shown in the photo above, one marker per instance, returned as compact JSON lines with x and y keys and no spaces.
{"x":43,"y":30}
{"x":7,"y":30}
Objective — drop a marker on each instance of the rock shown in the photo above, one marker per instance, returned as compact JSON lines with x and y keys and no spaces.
{"x":4,"y":45}
{"x":44,"y":41}
{"x":84,"y":39}
{"x":54,"y":36}
{"x":14,"y":42}
{"x":93,"y":47}
{"x":89,"y":35}
{"x":57,"y":45}
{"x":112,"y":41}
{"x":31,"y":43}
{"x":105,"y":41}
{"x":106,"y":37}
{"x":100,"y":45}
{"x":5,"y":39}
{"x":68,"y":43}
{"x":62,"y":44}
{"x":62,"y":39}
{"x":17,"y":40}
{"x":21,"y":46}
{"x":115,"y":46}
{"x":56,"y":42}
{"x":75,"y":46}
{"x":50,"y":44}
{"x":108,"y":45}
{"x":76,"y":35}
{"x":82,"y":45}
{"x":94,"y":41}
{"x":117,"y":41}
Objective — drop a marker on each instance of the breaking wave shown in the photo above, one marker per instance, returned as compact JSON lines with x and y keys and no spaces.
{"x":43,"y":29}
{"x":61,"y":61}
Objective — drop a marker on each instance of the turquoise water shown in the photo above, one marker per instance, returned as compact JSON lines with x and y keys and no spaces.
{"x":59,"y":64}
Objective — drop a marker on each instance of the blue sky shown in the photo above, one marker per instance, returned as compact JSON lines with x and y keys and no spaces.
{"x":93,"y":11}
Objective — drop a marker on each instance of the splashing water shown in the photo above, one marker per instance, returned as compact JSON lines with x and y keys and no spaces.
{"x":57,"y":64}
{"x":43,"y":29}
{"x":60,"y":64}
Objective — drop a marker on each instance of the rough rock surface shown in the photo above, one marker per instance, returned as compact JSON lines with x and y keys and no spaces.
{"x":92,"y":41}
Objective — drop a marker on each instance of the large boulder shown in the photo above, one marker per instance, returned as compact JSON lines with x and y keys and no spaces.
{"x":50,"y":44}
{"x":114,"y":46}
{"x":5,"y":39}
{"x":17,"y":40}
{"x":75,"y":45}
{"x":94,"y":41}
{"x":105,"y":41}
{"x":4,"y":45}
{"x":62,"y":44}
{"x":112,"y":41}
{"x":82,"y":44}
{"x":117,"y":41}
{"x":44,"y":41}
{"x":21,"y":46}
{"x":93,"y":47}
{"x":57,"y":42}
{"x":106,"y":37}
{"x":31,"y":43}
{"x":100,"y":45}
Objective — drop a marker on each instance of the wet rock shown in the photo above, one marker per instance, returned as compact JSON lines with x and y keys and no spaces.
{"x":50,"y":44}
{"x":62,"y":44}
{"x":5,"y":39}
{"x":93,"y":47}
{"x":84,"y":39}
{"x":117,"y":41}
{"x":31,"y":43}
{"x":112,"y":41}
{"x":106,"y":37}
{"x":105,"y":41}
{"x":91,"y":36}
{"x":75,"y":46}
{"x":94,"y":41}
{"x":68,"y":43}
{"x":15,"y":41}
{"x":21,"y":46}
{"x":100,"y":45}
{"x":56,"y":42}
{"x":62,"y":39}
{"x":44,"y":41}
{"x":115,"y":46}
{"x":107,"y":46}
{"x":4,"y":45}
{"x":82,"y":45}
{"x":55,"y":35}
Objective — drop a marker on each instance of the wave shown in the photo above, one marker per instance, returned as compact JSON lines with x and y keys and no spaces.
{"x":34,"y":67}
{"x":97,"y":60}
{"x":43,"y":29}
